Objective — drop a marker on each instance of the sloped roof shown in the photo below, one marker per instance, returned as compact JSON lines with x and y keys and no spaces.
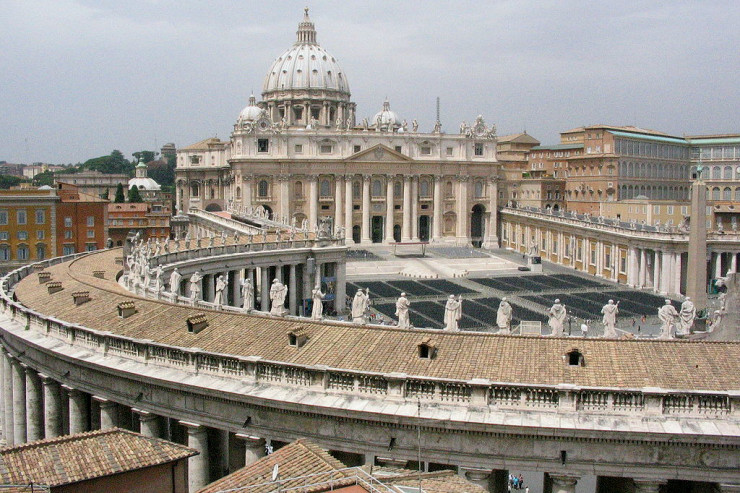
{"x":73,"y":458}
{"x":204,"y":145}
{"x":523,"y":138}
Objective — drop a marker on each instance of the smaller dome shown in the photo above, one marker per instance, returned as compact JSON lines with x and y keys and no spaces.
{"x":252,"y":112}
{"x":385,"y":118}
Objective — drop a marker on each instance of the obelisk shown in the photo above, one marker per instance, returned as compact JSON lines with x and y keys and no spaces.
{"x":696,"y":276}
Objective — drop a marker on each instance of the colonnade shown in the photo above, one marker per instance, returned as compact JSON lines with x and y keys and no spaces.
{"x":661,"y":270}
{"x":723,"y":262}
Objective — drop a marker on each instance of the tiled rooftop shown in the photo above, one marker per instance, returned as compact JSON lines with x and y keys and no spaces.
{"x":74,"y":458}
{"x":676,"y":365}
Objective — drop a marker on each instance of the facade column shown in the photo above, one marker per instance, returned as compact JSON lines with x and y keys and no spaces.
{"x":481,"y":477}
{"x":338,"y":206}
{"x":77,"y":410}
{"x":292,"y":293}
{"x":632,"y":266}
{"x":34,"y":404}
{"x":437,"y":210}
{"x":677,"y":273}
{"x":415,"y":208}
{"x":265,"y":289}
{"x":108,"y":413}
{"x":656,"y":271}
{"x":9,"y":429}
{"x":648,"y":485}
{"x":313,"y":202}
{"x":491,"y":234}
{"x":733,"y":262}
{"x":463,"y":233}
{"x":340,"y":287}
{"x":366,"y":210}
{"x":406,"y":224}
{"x":643,"y":268}
{"x":148,"y":423}
{"x":247,"y":191}
{"x":19,"y":402}
{"x":563,"y":483}
{"x":255,"y":448}
{"x":665,"y":273}
{"x":348,"y":204}
{"x":284,"y":181}
{"x":389,"y":209}
{"x":599,"y":258}
{"x":718,"y":265}
{"x":198,"y":473}
{"x":52,"y":407}
{"x":235,"y":283}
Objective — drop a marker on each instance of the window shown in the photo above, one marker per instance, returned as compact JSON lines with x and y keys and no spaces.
{"x":670,"y":209}
{"x":22,"y":235}
{"x":4,"y":235}
{"x":68,"y":249}
{"x":325,"y":188}
{"x":4,"y":253}
{"x":90,"y":221}
{"x":398,"y":149}
{"x":40,"y":252}
{"x":67,"y":222}
{"x":325,"y":149}
{"x":593,"y":257}
{"x":3,"y":218}
{"x":238,"y":196}
{"x":575,"y":358}
{"x":478,"y":189}
{"x":21,"y":216}
{"x":263,"y":145}
{"x":262,"y":189}
{"x":90,"y":247}
{"x":91,"y":233}
{"x":357,"y":149}
{"x":449,"y":151}
{"x":40,"y":216}
{"x":194,"y":190}
{"x":478,"y":149}
{"x":298,"y":148}
{"x":298,"y":190}
{"x":356,"y":190}
{"x":377,"y":188}
{"x":426,"y":150}
{"x":424,"y":188}
{"x":68,"y":234}
{"x":22,"y":252}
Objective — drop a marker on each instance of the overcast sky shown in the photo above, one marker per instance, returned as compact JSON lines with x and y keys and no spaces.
{"x":83,"y":77}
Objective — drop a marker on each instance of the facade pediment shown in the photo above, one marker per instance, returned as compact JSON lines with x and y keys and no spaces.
{"x":378,"y":153}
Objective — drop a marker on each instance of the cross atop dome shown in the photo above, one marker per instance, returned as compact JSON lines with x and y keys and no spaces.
{"x":306,"y":30}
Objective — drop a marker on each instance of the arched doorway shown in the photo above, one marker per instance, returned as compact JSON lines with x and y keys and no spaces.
{"x":268,"y":210}
{"x":477,"y":225}
{"x":356,"y":233}
{"x":213,"y":208}
{"x":397,"y":232}
{"x":376,"y":229}
{"x":424,"y":228}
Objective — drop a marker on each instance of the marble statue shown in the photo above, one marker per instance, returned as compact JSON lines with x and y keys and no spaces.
{"x":175,"y":278}
{"x":453,"y":312}
{"x":557,"y":314}
{"x":247,"y":295}
{"x":158,"y":278}
{"x":360,"y":305}
{"x":687,"y":315}
{"x":211,"y":239}
{"x":610,"y":311}
{"x":667,"y":315}
{"x":503,"y":317}
{"x":223,"y":237}
{"x":533,"y":250}
{"x":195,"y":286}
{"x":278,"y":293}
{"x":402,"y":311}
{"x":414,"y":125}
{"x":221,"y":283}
{"x":404,"y":126}
{"x":317,"y":311}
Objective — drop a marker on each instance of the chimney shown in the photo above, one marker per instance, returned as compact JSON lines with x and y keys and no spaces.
{"x":44,"y":277}
{"x":100,"y":274}
{"x":54,"y":286}
{"x":81,"y":297}
{"x":126,"y":309}
{"x":196,"y":323}
{"x":297,"y":337}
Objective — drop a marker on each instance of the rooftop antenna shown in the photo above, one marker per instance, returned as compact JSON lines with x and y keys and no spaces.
{"x":438,"y":108}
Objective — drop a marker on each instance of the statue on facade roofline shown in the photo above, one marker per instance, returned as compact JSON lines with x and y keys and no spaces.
{"x":414,"y":125}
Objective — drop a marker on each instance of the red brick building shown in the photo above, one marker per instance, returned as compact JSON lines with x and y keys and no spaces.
{"x":81,"y":221}
{"x":152,"y":219}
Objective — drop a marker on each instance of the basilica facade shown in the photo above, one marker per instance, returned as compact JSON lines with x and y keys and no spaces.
{"x":302,"y":154}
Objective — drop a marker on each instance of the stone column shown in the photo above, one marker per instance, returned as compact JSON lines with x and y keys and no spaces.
{"x":77,"y":410}
{"x":198,"y":471}
{"x":665,"y":272}
{"x":52,"y":407}
{"x":292,"y":293}
{"x":209,"y":288}
{"x":463,"y":233}
{"x":255,"y":448}
{"x":415,"y":208}
{"x":247,"y":191}
{"x":481,"y":477}
{"x":733,"y":262}
{"x":437,"y":210}
{"x":340,"y":289}
{"x":366,"y":179}
{"x":563,"y":483}
{"x":34,"y":404}
{"x":338,"y":209}
{"x":235,"y":283}
{"x":348,"y":209}
{"x":648,"y":485}
{"x":632,"y":277}
{"x":284,"y":205}
{"x":265,"y":289}
{"x":406,"y":225}
{"x":643,"y":268}
{"x":656,"y":271}
{"x":19,"y":402}
{"x":148,"y":423}
{"x":9,"y":429}
{"x":313,"y":202}
{"x":108,"y":413}
{"x":389,"y":209}
{"x":718,"y":265}
{"x":677,"y":273}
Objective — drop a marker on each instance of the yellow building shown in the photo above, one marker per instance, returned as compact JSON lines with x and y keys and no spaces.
{"x":647,"y":211}
{"x":27,"y":226}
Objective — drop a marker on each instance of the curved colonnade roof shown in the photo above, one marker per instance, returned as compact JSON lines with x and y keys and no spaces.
{"x":711,"y":366}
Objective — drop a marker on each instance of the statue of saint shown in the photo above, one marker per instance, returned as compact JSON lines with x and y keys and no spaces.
{"x":278,"y":293}
{"x":414,"y":125}
{"x":610,"y":311}
{"x":503,"y":317}
{"x":558,"y":314}
{"x":175,"y":278}
{"x":668,"y":315}
{"x":360,"y":304}
{"x":687,"y":315}
{"x":317,"y":311}
{"x":247,"y":295}
{"x":453,"y":312}
{"x":402,"y":311}
{"x":195,"y":286}
{"x":221,"y":284}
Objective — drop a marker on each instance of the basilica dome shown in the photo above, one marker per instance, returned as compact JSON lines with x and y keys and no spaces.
{"x":252,"y":112}
{"x":386,"y":117}
{"x":305,"y":66}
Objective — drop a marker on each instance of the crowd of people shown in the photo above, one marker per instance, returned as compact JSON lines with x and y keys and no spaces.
{"x":517,"y":483}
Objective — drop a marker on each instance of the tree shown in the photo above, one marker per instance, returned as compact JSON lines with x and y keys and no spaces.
{"x":164,"y":175}
{"x":105,"y":195}
{"x":148,"y":156}
{"x":134,"y":196}
{"x":120,"y":197}
{"x":45,"y":178}
{"x":114,"y":163}
{"x":7,"y":181}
